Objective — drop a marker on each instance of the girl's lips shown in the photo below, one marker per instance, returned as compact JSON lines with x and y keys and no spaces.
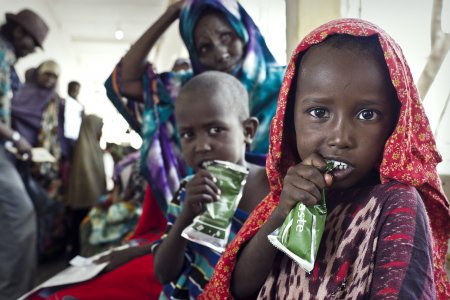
{"x":341,"y":170}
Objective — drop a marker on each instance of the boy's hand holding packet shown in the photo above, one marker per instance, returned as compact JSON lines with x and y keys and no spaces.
{"x":212,"y":227}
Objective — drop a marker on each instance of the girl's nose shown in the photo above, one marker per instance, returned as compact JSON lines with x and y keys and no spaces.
{"x":341,"y":135}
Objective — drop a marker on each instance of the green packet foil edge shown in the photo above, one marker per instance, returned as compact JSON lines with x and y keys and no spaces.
{"x":212,"y":228}
{"x":301,"y":232}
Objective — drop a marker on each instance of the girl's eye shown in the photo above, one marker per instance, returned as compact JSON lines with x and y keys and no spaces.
{"x":186,"y":135}
{"x":367,"y":114}
{"x":319,"y":112}
{"x":215,"y":130}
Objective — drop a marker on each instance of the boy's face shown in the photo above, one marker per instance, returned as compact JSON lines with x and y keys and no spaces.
{"x":344,"y":111}
{"x":209,"y":129}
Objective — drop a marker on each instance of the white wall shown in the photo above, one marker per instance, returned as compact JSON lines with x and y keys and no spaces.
{"x":409,"y":23}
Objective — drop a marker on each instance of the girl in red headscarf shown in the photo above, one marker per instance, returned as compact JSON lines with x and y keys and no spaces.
{"x":347,"y":97}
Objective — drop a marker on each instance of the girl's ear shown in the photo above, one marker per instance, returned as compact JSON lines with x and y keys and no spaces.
{"x":250,"y":127}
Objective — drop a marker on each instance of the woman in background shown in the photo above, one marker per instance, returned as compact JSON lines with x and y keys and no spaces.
{"x":87,"y":180}
{"x":37,"y":114}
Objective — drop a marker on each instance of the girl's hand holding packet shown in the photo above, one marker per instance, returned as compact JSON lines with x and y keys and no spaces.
{"x":212,"y":228}
{"x":299,"y":236}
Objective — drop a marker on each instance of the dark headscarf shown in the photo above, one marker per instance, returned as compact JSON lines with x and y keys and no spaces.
{"x":87,"y":181}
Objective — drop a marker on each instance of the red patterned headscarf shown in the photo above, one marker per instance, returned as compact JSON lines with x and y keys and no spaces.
{"x":410,"y":156}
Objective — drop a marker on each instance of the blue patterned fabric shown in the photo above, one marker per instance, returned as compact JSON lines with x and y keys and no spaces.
{"x":9,"y":81}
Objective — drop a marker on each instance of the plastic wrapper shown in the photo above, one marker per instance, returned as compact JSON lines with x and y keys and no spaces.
{"x":299,"y":236}
{"x":212,"y":228}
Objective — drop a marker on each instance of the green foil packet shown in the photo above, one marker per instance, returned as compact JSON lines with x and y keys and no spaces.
{"x":299,"y":236}
{"x":212,"y":228}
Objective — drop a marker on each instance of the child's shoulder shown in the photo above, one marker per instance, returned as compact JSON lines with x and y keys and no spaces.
{"x":394,"y":186}
{"x":397,"y":195}
{"x":258,"y":176}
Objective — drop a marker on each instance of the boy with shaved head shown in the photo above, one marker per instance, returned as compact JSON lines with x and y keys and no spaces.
{"x":213,"y":120}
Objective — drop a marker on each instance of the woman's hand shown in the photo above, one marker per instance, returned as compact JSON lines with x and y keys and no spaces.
{"x":175,"y":6}
{"x":304,"y":183}
{"x":200,"y":190}
{"x":118,"y":258}
{"x":134,"y":63}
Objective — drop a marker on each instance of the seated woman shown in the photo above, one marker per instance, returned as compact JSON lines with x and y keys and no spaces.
{"x":114,"y":217}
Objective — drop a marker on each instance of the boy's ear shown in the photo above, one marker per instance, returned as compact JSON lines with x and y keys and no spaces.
{"x":250,"y":126}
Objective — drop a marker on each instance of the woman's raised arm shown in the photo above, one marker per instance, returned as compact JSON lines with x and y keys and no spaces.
{"x":135,"y":60}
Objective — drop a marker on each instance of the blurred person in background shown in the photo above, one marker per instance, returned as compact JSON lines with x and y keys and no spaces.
{"x":37,"y":114}
{"x":87,"y":179}
{"x":73,"y":112}
{"x":20,"y":35}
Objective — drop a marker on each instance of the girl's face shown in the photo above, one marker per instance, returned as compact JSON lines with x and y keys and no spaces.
{"x":209,"y":129}
{"x":344,"y":110}
{"x":218,"y":46}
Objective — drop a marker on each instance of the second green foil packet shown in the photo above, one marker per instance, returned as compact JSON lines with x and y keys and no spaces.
{"x":212,"y":228}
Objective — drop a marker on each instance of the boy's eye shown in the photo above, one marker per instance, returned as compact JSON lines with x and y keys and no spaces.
{"x":319,"y":112}
{"x":367,"y":114}
{"x":215,"y":130}
{"x":186,"y":135}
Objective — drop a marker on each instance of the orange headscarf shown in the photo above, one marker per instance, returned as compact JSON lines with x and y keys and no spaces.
{"x":410,"y":156}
